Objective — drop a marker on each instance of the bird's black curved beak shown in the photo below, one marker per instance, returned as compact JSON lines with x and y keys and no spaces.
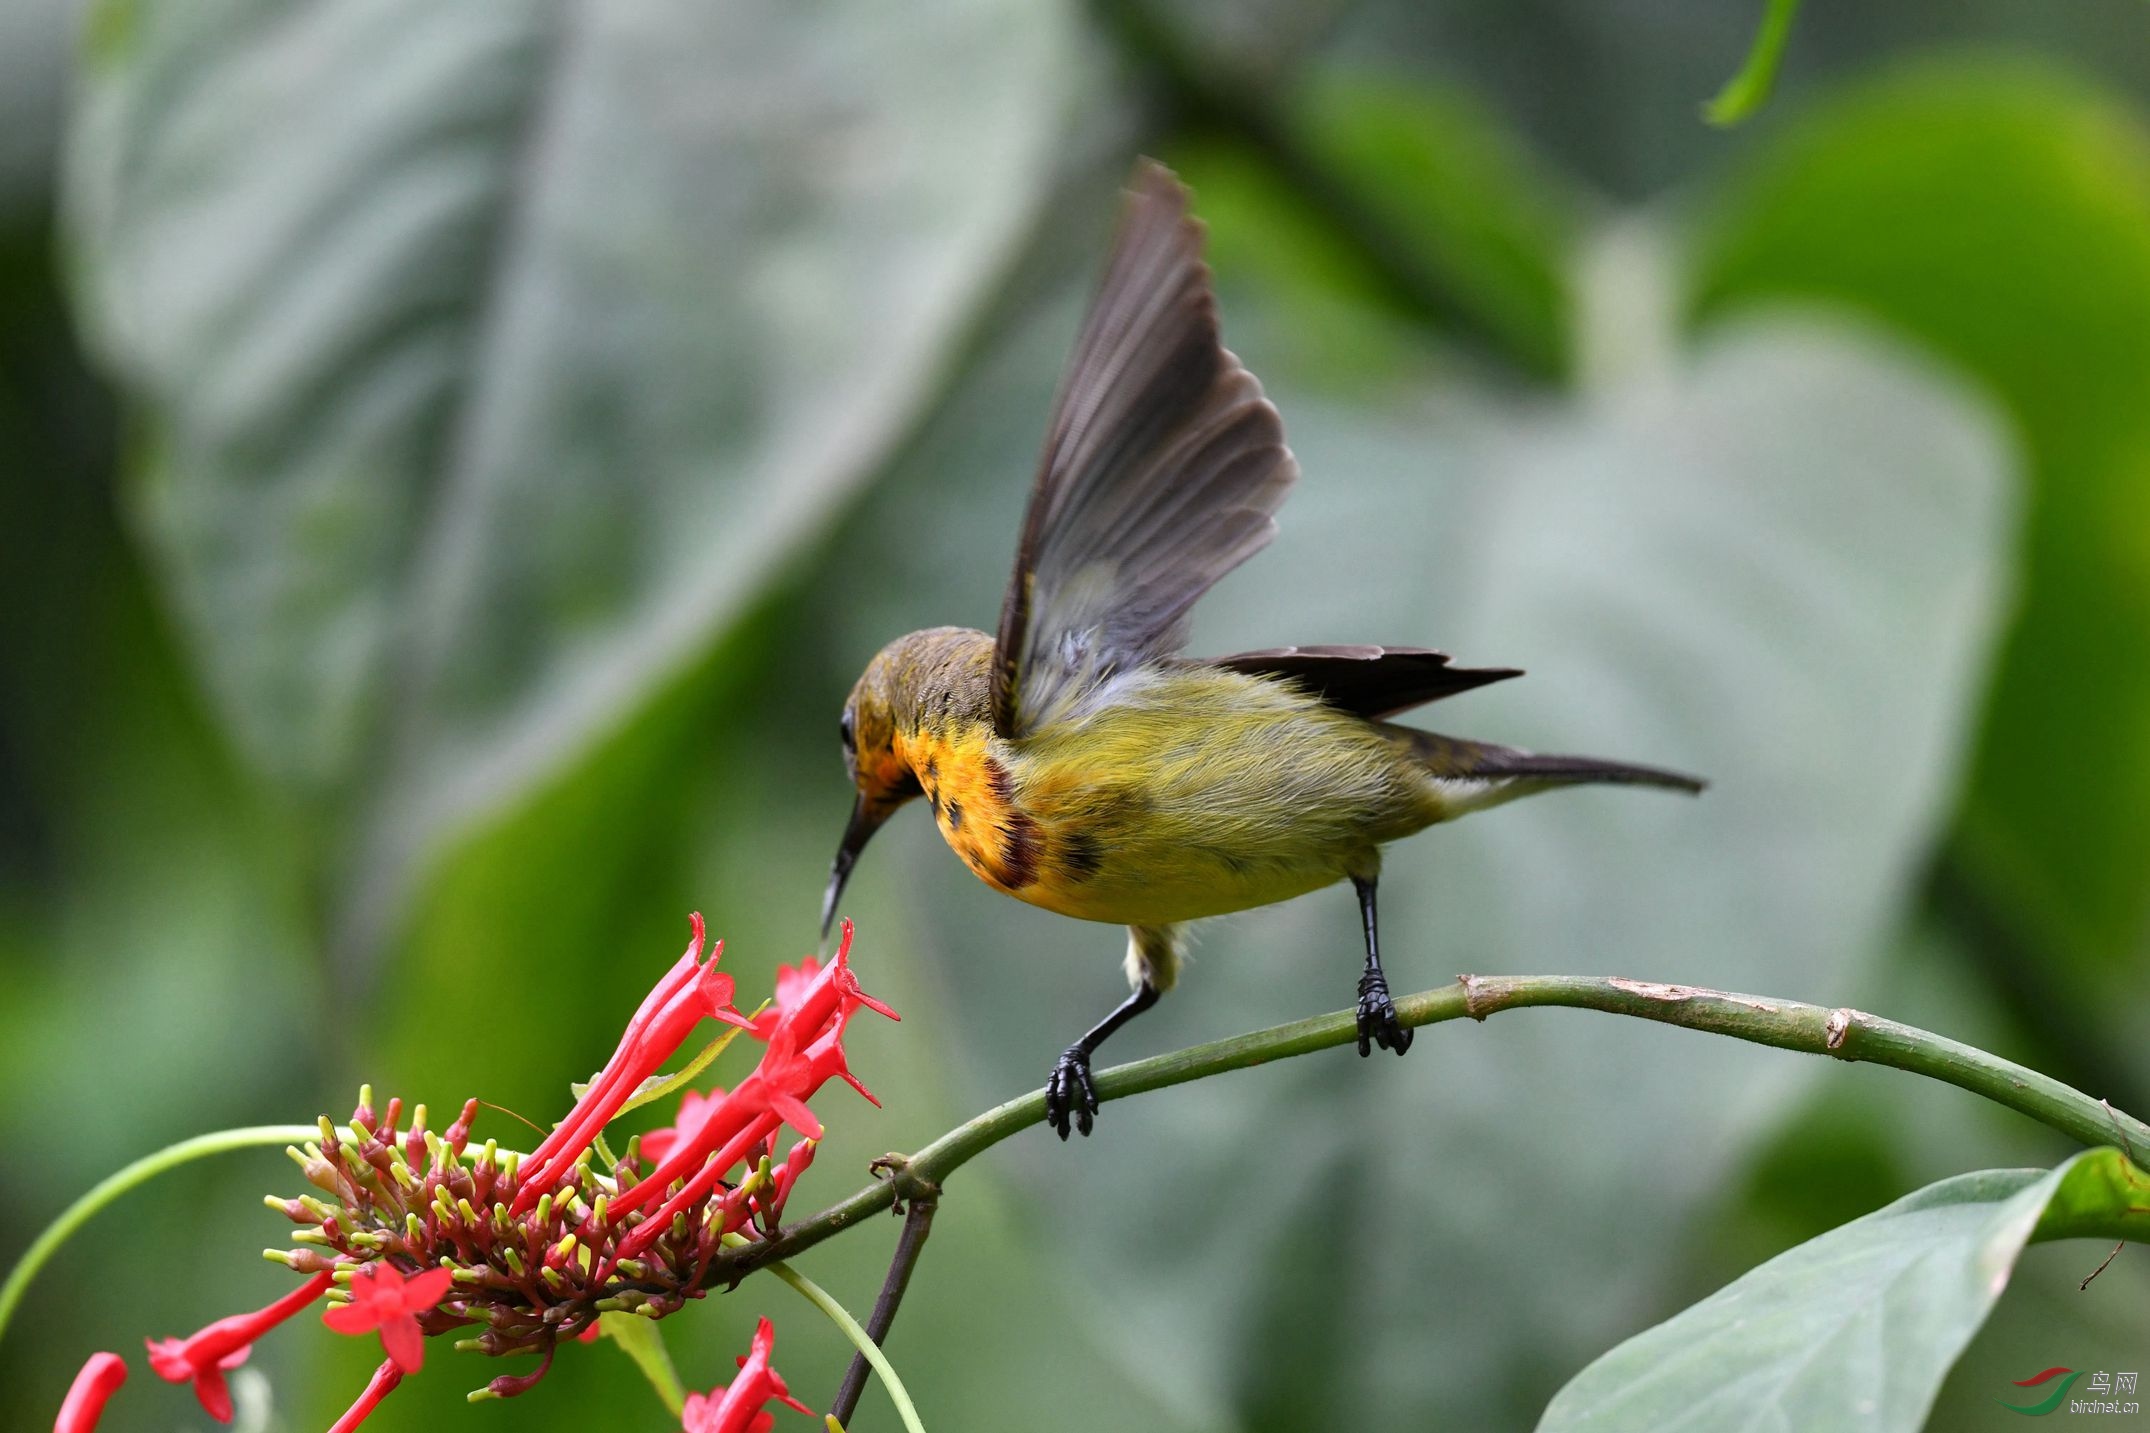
{"x":865,"y":820}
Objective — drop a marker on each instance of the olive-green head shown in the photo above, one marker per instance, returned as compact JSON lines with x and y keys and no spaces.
{"x":938,"y":674}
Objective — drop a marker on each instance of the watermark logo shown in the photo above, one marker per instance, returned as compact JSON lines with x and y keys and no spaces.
{"x":2108,"y":1393}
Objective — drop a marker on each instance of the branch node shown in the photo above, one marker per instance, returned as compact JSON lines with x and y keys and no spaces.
{"x":1837,"y":1028}
{"x":910,"y":1188}
{"x":1471,"y":994}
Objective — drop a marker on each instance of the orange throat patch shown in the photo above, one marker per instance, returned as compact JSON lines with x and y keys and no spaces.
{"x":973,"y":797}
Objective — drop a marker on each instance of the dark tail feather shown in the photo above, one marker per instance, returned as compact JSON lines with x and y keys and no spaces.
{"x":1450,"y":756}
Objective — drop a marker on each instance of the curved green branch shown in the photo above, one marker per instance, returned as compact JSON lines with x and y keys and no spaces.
{"x":148,"y":1167}
{"x":1841,"y":1033}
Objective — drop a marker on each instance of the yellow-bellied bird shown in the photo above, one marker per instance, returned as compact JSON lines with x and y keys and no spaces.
{"x":1075,"y":761}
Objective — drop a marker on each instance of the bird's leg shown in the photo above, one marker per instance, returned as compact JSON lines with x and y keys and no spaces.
{"x":1068,"y":1091}
{"x":1378,"y":1024}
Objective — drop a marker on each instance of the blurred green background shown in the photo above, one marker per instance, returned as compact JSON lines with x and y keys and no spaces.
{"x":457,"y":457}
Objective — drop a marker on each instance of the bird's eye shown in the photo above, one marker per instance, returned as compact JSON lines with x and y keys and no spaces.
{"x":849,"y":728}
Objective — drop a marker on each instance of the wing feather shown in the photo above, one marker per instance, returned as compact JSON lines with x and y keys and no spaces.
{"x":1372,"y":682}
{"x":1162,"y":469}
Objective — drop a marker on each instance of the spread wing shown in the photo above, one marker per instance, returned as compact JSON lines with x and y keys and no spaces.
{"x":1372,"y":682}
{"x":1162,"y":466}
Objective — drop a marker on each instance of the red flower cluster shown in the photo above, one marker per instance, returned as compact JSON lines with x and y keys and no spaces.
{"x":426,"y":1235}
{"x":714,"y":1134}
{"x":738,"y":1406}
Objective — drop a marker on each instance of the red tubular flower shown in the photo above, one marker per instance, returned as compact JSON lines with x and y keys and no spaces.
{"x":788,"y":1077}
{"x":99,"y":1379}
{"x":775,"y":1093}
{"x":810,"y":994}
{"x":384,"y":1381}
{"x":740,"y":1406}
{"x":381,"y":1298}
{"x":695,"y":1189}
{"x":689,"y":993}
{"x":203,"y":1357}
{"x":805,"y":1036}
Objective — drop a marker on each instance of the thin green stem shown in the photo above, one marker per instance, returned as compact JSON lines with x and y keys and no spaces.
{"x":821,"y":1299}
{"x":60,"y":1230}
{"x":1746,"y":92}
{"x":1841,"y":1033}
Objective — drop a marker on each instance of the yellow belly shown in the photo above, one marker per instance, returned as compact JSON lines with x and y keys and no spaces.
{"x":1199,"y":794}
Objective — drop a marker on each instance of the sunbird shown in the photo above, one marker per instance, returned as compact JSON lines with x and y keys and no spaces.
{"x":1075,"y":760}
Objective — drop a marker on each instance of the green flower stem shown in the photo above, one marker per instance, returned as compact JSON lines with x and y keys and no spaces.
{"x":140,"y":1172}
{"x":841,"y":1317}
{"x":1746,"y":92}
{"x":1841,"y":1033}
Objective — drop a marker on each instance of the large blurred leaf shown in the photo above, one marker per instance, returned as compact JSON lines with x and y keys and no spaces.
{"x":1427,"y":216}
{"x":1455,"y":189}
{"x":493,"y":355}
{"x":2003,"y":217}
{"x":33,"y":76}
{"x":1855,"y":1329}
{"x":1777,"y":566}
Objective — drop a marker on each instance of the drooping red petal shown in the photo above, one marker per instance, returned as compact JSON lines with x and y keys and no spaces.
{"x":795,"y":1113}
{"x":783,"y":1395}
{"x":403,"y":1343}
{"x":853,"y":1081}
{"x":214,"y":1393}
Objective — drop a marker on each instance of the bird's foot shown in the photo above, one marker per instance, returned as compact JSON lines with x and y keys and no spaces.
{"x":1378,"y":1024}
{"x":1069,"y":1095}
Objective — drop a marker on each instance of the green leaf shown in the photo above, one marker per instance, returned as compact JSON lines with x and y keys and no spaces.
{"x":2001,"y":215}
{"x":34,"y":38}
{"x":1855,"y":1329}
{"x":639,"y":1339}
{"x":2102,"y":1195}
{"x":492,"y":359}
{"x":1459,"y":194}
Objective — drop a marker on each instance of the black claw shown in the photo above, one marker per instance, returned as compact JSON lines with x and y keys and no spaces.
{"x":1378,"y":1022}
{"x":1069,"y":1094}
